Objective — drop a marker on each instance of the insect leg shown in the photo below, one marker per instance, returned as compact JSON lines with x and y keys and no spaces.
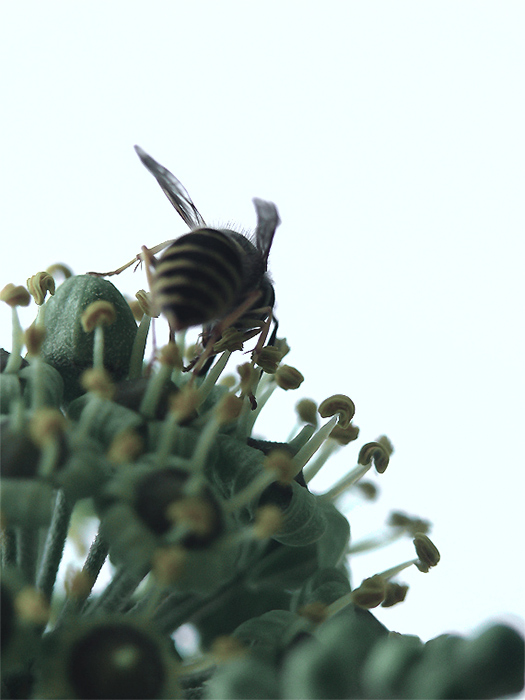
{"x":219,"y":329}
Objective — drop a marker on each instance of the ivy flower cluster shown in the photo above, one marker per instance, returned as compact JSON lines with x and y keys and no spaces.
{"x":203,"y":523}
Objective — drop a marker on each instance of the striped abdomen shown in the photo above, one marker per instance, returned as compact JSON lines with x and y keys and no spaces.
{"x":198,"y":278}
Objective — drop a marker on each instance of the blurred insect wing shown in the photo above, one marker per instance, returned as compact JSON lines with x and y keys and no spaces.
{"x":267,"y":222}
{"x":173,"y":189}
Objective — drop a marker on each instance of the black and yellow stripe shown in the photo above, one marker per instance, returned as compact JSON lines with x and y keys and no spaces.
{"x":198,"y":278}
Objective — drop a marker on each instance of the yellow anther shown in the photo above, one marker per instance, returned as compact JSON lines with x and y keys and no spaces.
{"x":371,"y":592}
{"x":39,"y":285}
{"x":99,"y":382}
{"x":32,"y":607}
{"x":197,"y":514}
{"x":33,"y":338}
{"x":184,"y":404}
{"x":345,"y":435}
{"x":341,"y":404}
{"x":58,"y":269}
{"x":426,"y":550}
{"x":316,"y":612}
{"x":288,"y":377}
{"x":280,"y":462}
{"x":395,"y":593}
{"x":228,"y":381}
{"x":228,"y":409}
{"x":368,"y":489}
{"x":307,"y":411}
{"x":268,"y":521}
{"x":46,"y":424}
{"x":282,"y":346}
{"x":15,"y":296}
{"x":78,"y":584}
{"x":99,"y":313}
{"x":168,"y":564}
{"x":268,"y":358}
{"x":379,"y":451}
{"x":248,"y":375}
{"x":125,"y":447}
{"x":170,"y":355}
{"x":226,"y":648}
{"x":232,"y":340}
{"x":144,"y":301}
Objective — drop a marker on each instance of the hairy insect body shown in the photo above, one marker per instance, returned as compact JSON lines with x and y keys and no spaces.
{"x":198,"y":278}
{"x":209,"y":277}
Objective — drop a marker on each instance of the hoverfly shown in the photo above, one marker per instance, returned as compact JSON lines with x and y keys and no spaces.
{"x":209,"y":276}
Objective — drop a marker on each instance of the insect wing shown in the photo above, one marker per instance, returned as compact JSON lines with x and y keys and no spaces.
{"x":173,"y":189}
{"x":267,"y":222}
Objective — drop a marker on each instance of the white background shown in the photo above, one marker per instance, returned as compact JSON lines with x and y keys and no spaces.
{"x":391,"y":137}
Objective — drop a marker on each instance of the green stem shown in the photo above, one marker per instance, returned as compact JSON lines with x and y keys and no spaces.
{"x":118,"y":592}
{"x":94,"y":562}
{"x":27,"y":552}
{"x":15,"y":358}
{"x":191,"y":608}
{"x":8,"y":547}
{"x":139,"y":347}
{"x":54,"y":546}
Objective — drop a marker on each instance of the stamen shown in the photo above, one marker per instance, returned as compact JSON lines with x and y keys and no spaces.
{"x":315,"y":442}
{"x":225,"y":411}
{"x":59,"y":269}
{"x":13,"y":297}
{"x":169,"y":358}
{"x":95,"y":317}
{"x":182,"y":406}
{"x":340,"y":404}
{"x":212,"y":376}
{"x":34,"y":337}
{"x":313,"y":468}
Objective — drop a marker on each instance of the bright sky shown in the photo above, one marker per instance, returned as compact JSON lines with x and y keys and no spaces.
{"x":390,"y":136}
